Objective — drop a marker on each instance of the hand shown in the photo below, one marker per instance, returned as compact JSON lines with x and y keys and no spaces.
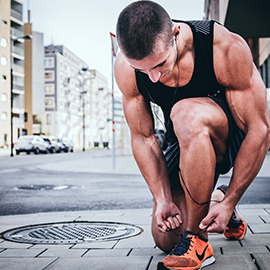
{"x":217,"y":219}
{"x":168,"y":216}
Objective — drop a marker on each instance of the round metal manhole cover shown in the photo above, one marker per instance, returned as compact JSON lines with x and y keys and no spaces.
{"x":71,"y":232}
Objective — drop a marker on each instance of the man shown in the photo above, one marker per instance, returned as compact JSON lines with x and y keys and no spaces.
{"x":214,"y":104}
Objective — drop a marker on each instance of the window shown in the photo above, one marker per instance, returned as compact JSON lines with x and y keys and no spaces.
{"x":49,"y":75}
{"x":49,"y":89}
{"x":4,"y":97}
{"x":4,"y":23}
{"x":3,"y":60}
{"x":4,"y":78}
{"x":49,"y":102}
{"x":48,"y":119}
{"x":49,"y":62}
{"x":3,"y":42}
{"x":4,"y":116}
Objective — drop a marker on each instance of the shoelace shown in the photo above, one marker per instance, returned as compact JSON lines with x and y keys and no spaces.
{"x":182,"y":247}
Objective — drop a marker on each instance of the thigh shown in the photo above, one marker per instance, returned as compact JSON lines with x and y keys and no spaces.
{"x":167,"y":241}
{"x":195,"y":115}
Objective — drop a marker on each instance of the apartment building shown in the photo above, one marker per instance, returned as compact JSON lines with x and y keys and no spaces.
{"x":5,"y":73}
{"x":76,"y":99}
{"x":11,"y":62}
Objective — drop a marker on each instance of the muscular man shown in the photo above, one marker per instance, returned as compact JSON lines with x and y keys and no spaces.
{"x":214,"y":104}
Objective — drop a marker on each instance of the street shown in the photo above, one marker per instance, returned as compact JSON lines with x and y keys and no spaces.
{"x":56,"y":182}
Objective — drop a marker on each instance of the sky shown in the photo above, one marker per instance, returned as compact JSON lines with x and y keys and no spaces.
{"x":83,"y":26}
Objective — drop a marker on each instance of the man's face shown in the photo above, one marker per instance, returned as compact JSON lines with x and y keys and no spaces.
{"x":157,"y":66}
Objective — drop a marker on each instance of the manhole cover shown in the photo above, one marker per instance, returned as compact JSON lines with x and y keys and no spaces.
{"x":71,"y":232}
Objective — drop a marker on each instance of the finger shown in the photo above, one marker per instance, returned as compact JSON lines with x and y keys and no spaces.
{"x":162,"y":226}
{"x":177,"y":222}
{"x":206,"y":222}
{"x":179,"y":219}
{"x":214,"y":228}
{"x":170,"y":223}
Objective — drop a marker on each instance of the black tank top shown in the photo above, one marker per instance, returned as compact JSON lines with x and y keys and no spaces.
{"x":203,"y":82}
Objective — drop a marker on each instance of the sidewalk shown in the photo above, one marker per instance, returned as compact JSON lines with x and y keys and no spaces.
{"x":137,"y":252}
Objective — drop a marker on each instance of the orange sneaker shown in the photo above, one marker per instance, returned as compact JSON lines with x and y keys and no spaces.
{"x":236,"y":228}
{"x":192,"y":252}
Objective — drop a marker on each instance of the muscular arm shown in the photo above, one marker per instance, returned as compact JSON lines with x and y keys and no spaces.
{"x":246,"y":96}
{"x":145,"y":147}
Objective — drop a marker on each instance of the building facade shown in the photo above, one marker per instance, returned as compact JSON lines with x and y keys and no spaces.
{"x":5,"y":73}
{"x":12,"y":71}
{"x":76,"y":99}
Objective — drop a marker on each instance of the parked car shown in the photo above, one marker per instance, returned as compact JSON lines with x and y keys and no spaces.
{"x":65,"y":145}
{"x":52,"y":143}
{"x":30,"y":143}
{"x":160,"y":135}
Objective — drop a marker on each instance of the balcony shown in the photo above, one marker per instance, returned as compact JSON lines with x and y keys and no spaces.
{"x":15,"y":14}
{"x":17,"y":33}
{"x":18,"y":69}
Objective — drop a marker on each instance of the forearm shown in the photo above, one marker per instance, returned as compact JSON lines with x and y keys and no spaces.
{"x":247,"y":165}
{"x":152,"y":165}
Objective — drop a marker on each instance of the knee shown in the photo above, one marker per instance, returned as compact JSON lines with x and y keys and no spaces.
{"x":189,"y":122}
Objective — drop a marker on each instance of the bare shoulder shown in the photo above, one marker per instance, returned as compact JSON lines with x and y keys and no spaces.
{"x":233,"y":61}
{"x":125,"y":77}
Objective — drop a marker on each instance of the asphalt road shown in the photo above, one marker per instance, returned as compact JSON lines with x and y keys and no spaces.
{"x":25,"y":188}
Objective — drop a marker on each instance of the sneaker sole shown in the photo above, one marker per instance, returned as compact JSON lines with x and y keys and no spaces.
{"x":205,"y":263}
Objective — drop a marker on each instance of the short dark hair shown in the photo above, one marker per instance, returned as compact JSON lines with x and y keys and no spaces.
{"x":140,"y":25}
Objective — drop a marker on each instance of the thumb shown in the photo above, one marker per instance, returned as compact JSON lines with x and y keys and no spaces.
{"x":206,"y":222}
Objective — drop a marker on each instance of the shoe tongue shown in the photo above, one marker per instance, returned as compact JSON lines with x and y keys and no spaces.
{"x":188,"y":234}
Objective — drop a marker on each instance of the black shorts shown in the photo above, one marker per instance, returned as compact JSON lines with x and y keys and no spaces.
{"x":235,"y":139}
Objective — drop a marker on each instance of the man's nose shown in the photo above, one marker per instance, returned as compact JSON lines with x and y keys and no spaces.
{"x":154,"y":76}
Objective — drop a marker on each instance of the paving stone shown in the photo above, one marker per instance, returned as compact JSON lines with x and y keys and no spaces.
{"x":263,"y":260}
{"x":21,"y":253}
{"x":266,"y":218}
{"x":256,"y":240}
{"x":253,"y":219}
{"x":119,"y":252}
{"x":47,"y":246}
{"x":147,"y":252}
{"x":8,"y":244}
{"x":260,"y":228}
{"x":68,"y":253}
{"x":156,"y":259}
{"x":144,"y":240}
{"x":251,"y":211}
{"x":98,"y":263}
{"x":245,"y":250}
{"x":98,"y":245}
{"x":233,"y":262}
{"x":25,"y":263}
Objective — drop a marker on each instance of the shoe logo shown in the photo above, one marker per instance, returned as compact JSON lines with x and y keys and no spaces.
{"x":201,"y":256}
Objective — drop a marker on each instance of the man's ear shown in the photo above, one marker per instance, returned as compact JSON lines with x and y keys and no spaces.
{"x":176,"y":31}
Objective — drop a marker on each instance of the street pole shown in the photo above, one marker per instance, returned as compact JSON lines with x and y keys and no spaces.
{"x":11,"y":95}
{"x":113,"y":122}
{"x":83,"y":123}
{"x":11,"y":88}
{"x":11,"y":110}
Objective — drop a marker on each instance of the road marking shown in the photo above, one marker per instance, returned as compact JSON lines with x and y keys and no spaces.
{"x":9,"y":170}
